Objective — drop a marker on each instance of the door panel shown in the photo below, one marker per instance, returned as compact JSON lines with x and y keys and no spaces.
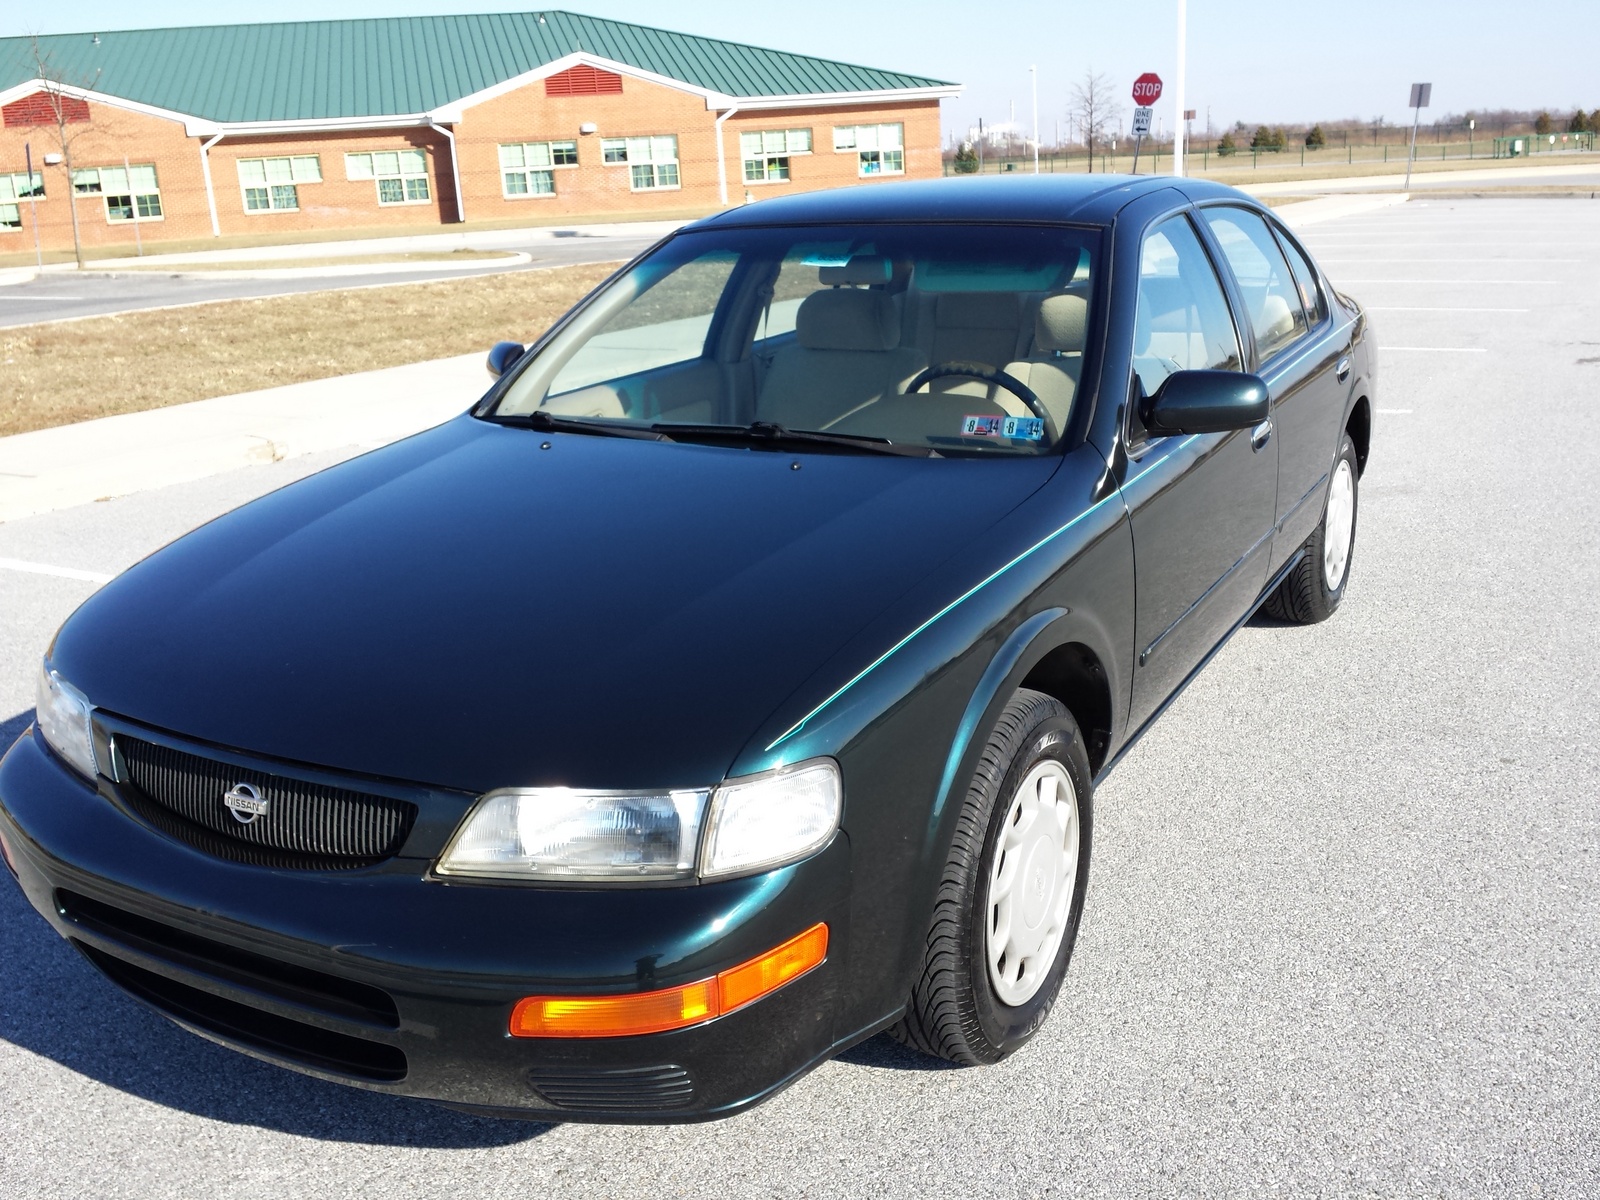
{"x":1202,"y":506}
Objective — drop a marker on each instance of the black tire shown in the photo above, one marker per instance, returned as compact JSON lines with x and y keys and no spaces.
{"x":955,"y":1012}
{"x":1305,"y":597}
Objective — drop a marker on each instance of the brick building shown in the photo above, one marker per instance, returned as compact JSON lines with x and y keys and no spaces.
{"x":416,"y":122}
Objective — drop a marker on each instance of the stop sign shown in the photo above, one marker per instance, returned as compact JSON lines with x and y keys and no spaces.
{"x":1147,"y":88}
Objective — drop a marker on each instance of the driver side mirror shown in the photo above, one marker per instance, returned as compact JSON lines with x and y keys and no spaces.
{"x":503,"y":357}
{"x":1207,"y":402}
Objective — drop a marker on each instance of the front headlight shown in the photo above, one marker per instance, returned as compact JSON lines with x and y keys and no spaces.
{"x":63,"y":715}
{"x":558,"y":833}
{"x":750,"y":825}
{"x":767,"y":820}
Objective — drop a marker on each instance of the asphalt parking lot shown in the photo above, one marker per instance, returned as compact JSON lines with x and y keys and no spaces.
{"x":1343,"y":931}
{"x":61,"y":295}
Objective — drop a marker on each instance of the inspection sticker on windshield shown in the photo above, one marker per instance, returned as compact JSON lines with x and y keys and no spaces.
{"x":1029,"y":429}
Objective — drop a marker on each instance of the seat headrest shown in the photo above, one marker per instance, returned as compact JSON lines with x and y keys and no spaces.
{"x":847,"y":319}
{"x":1061,"y":323}
{"x":861,"y":269}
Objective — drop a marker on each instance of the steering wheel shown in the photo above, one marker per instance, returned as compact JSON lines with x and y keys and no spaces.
{"x":983,"y":371}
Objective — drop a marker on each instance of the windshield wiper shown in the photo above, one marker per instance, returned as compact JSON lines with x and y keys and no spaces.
{"x":546,"y":422}
{"x":771,"y":433}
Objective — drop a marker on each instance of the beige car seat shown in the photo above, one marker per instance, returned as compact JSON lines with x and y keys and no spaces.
{"x":1052,"y":369}
{"x":846,"y":354}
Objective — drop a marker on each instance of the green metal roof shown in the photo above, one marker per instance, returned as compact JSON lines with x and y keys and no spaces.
{"x":319,"y":70}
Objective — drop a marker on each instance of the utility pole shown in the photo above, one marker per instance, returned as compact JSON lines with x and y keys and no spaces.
{"x":33,"y":202}
{"x":1179,"y":131}
{"x":1034,"y":71}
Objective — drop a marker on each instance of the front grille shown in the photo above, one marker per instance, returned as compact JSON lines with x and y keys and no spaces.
{"x":315,"y":991}
{"x":308,"y":825}
{"x":614,"y":1089}
{"x":280,"y":1037}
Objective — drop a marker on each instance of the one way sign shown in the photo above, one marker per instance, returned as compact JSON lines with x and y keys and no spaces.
{"x":1141,"y":120}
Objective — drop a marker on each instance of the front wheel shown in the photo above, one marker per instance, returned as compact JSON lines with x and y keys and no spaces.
{"x":1009,"y":902}
{"x":1312,"y":591}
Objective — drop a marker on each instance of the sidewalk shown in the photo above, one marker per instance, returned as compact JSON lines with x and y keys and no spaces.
{"x":113,"y":456}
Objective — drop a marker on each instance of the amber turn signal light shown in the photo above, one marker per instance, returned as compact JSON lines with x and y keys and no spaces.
{"x":672,"y":1008}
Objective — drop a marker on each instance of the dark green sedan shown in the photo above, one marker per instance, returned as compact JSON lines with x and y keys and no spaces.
{"x":731,"y":683}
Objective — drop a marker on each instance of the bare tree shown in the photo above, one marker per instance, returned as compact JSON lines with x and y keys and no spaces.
{"x":67,"y":116}
{"x":1093,"y":109}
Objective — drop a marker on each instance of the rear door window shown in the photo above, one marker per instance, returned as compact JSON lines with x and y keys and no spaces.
{"x":1270,"y":293}
{"x":1306,"y":280}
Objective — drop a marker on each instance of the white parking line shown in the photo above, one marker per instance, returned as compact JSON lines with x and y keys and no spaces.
{"x":33,"y":568}
{"x":1502,"y":259}
{"x":1438,"y":349}
{"x":1426,"y":308}
{"x":1451,"y":282}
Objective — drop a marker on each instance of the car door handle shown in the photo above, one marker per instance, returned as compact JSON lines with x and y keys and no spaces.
{"x":1343,"y":369}
{"x":1261,"y":434}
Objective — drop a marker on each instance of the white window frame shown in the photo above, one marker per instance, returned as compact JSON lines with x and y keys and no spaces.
{"x":14,"y":189}
{"x":299,"y":174}
{"x":528,"y":169}
{"x":408,"y":165}
{"x":144,"y":197}
{"x":771,"y":148}
{"x":656,"y":154}
{"x":879,"y":149}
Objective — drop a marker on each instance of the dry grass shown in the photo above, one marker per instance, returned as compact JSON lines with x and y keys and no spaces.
{"x":77,"y":370}
{"x":347,"y":260}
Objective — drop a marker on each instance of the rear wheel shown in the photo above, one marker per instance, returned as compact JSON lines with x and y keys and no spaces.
{"x":1007,"y":911}
{"x":1312,"y":591}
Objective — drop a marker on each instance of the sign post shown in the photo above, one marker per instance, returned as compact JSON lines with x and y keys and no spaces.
{"x":1146,"y":91}
{"x":1421,"y":93}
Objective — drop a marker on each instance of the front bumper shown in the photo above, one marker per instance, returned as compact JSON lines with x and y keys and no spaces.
{"x":385,"y":979}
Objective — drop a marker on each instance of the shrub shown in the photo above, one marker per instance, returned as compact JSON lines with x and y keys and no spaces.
{"x":1315,"y":140}
{"x":1580,"y":122}
{"x":1542,"y":125}
{"x":966,"y":162}
{"x":1227,"y":145}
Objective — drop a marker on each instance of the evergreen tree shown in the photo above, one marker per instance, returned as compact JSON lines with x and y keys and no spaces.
{"x":966,"y":162}
{"x":1262,"y":139}
{"x":1277,"y":140}
{"x":1315,"y":139}
{"x":1579,"y":123}
{"x":1542,"y":125}
{"x":1227,"y":145}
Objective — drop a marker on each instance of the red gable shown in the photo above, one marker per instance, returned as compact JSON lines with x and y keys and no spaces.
{"x":583,"y":80}
{"x":39,"y":109}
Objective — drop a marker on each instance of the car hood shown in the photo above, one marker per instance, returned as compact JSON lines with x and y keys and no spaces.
{"x":482,"y":606}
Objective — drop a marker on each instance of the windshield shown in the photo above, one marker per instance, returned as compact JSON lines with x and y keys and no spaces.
{"x":948,"y":338}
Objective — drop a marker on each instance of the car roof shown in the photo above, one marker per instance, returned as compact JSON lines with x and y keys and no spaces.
{"x":1085,"y":198}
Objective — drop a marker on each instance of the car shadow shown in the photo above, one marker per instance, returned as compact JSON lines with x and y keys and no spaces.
{"x":886,"y":1054}
{"x":54,"y":1004}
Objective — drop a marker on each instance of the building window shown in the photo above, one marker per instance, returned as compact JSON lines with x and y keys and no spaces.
{"x":130,"y":193}
{"x":14,"y":188}
{"x":402,"y":175}
{"x":652,"y":161}
{"x":273,"y":184}
{"x":528,"y":168}
{"x":880,"y":148}
{"x":766,"y":154}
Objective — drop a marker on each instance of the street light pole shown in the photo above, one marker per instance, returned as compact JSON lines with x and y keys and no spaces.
{"x":1034,"y":72}
{"x":1178,"y":127}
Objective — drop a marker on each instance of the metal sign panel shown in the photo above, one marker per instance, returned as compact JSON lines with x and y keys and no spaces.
{"x":1141,"y":120}
{"x":1421,"y":93}
{"x":1147,"y":88}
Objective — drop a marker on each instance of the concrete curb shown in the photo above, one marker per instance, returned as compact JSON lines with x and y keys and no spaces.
{"x":113,"y":456}
{"x":11,"y":275}
{"x":501,"y":263}
{"x":1326,"y":208}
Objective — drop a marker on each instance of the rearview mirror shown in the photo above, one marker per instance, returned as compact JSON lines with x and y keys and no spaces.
{"x":1207,"y":402}
{"x":503,"y":357}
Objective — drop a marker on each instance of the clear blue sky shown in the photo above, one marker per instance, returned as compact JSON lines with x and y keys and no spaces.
{"x":1247,"y":61}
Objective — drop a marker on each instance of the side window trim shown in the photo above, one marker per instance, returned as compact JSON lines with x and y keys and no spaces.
{"x":1287,"y":245}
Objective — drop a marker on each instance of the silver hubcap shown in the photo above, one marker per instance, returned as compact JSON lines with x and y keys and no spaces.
{"x":1031,"y":883}
{"x":1339,"y":525}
